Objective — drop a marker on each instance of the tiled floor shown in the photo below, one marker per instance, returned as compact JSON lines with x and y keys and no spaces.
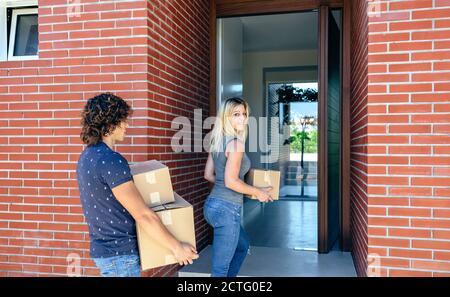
{"x":283,"y":235}
{"x":283,"y":224}
{"x":280,"y":262}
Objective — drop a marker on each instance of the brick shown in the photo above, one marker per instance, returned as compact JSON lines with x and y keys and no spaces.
{"x":410,"y":191}
{"x":409,"y":170}
{"x":441,"y":171}
{"x":388,"y":119}
{"x":410,"y":26}
{"x":426,"y":244}
{"x":442,"y":86}
{"x":429,"y":223}
{"x":444,"y":44}
{"x":406,"y":5}
{"x":441,"y":213}
{"x":388,"y":98}
{"x":388,"y":37}
{"x":387,"y":160}
{"x":421,"y":160}
{"x":430,"y":14}
{"x":442,"y":108}
{"x":429,"y":202}
{"x":429,"y":97}
{"x":391,"y":262}
{"x":375,"y":139}
{"x":409,"y":273}
{"x":410,"y":253}
{"x":374,"y":58}
{"x":389,"y":242}
{"x":409,"y":88}
{"x":412,"y":129}
{"x":385,"y":221}
{"x":410,"y":212}
{"x":388,"y":201}
{"x":431,"y":265}
{"x":391,"y":16}
{"x":430,"y":118}
{"x":430,"y":55}
{"x":409,"y":67}
{"x":431,"y":139}
{"x":376,"y":78}
{"x":445,"y":256}
{"x":410,"y":108}
{"x":436,"y":76}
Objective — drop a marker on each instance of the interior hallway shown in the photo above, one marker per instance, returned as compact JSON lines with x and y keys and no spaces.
{"x":283,"y":224}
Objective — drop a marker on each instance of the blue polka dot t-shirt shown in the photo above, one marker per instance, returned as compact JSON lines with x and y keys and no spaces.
{"x":112,"y":229}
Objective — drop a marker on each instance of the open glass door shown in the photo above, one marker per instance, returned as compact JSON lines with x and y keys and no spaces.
{"x":229,"y":59}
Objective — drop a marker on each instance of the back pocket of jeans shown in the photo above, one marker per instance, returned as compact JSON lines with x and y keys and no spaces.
{"x":213,"y":215}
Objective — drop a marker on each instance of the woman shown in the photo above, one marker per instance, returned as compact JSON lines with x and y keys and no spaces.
{"x":111,"y":202}
{"x":226,"y":166}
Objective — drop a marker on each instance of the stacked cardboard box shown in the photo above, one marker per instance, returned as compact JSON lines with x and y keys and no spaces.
{"x":265,"y":178}
{"x":152,"y":179}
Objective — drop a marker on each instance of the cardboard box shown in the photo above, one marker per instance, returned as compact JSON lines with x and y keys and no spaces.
{"x":178,"y":217}
{"x":152,"y":179}
{"x":265,"y":178}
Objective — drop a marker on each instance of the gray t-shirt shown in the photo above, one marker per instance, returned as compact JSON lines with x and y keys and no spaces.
{"x":220,"y":190}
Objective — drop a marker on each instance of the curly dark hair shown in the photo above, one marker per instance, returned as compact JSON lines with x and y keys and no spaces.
{"x":101,"y":115}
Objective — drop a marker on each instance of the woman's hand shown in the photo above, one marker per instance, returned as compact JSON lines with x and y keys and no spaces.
{"x":263,"y":194}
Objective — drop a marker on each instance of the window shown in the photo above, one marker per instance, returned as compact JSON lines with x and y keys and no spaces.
{"x":18,"y":30}
{"x":23,"y":39}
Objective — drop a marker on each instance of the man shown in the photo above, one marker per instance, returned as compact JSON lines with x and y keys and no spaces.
{"x":111,"y":202}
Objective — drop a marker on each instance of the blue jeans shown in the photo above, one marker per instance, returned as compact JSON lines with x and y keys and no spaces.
{"x":230,"y":243}
{"x":125,"y":265}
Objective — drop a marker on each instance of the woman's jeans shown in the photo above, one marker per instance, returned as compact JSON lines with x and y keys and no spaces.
{"x":126,"y":265}
{"x":230,"y":243}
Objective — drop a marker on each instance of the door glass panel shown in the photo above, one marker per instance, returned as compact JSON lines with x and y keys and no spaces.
{"x":334,"y":125}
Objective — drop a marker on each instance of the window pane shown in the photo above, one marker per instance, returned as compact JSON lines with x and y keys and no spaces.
{"x":26,"y":43}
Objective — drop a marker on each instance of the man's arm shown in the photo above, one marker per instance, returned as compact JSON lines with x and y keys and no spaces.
{"x":128,"y":195}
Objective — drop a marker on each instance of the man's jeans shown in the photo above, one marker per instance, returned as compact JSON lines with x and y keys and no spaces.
{"x":230,"y":243}
{"x":126,"y":265}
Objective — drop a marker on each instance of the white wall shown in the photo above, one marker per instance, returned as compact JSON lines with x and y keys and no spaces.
{"x":231,"y":49}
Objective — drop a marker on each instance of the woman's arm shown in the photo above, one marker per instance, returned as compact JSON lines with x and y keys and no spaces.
{"x":235,"y":152}
{"x":209,"y":170}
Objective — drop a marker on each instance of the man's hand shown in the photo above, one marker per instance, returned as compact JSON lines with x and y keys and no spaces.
{"x":185,"y":253}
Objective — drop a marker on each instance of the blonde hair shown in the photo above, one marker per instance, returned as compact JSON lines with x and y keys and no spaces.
{"x":222,"y":126}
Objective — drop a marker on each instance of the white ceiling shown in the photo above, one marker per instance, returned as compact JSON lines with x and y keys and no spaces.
{"x":293,"y":31}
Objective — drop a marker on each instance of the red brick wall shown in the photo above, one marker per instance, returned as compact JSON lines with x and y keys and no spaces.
{"x":155,"y":54}
{"x":407,"y":137}
{"x":359,"y":147}
{"x":178,"y":83}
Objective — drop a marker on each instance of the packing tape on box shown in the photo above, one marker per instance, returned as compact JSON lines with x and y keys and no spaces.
{"x":150,"y":178}
{"x":267,"y":177}
{"x":155,"y":197}
{"x":170,"y":259}
{"x":166,"y":218}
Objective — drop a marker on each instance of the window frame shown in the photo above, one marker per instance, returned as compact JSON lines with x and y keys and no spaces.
{"x":15,"y":5}
{"x":12,"y":37}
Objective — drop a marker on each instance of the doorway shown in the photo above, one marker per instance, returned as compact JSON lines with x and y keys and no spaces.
{"x":246,"y":40}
